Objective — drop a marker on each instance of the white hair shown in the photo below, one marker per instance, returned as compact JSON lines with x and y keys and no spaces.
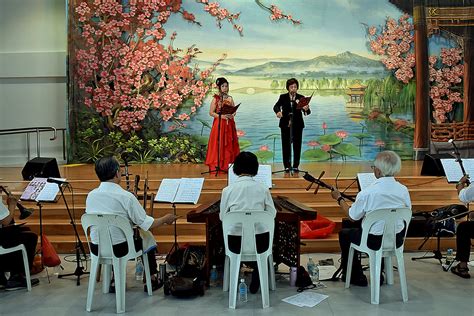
{"x":388,"y":162}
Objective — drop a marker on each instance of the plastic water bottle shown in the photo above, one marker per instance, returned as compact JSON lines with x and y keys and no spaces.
{"x":242,"y":291}
{"x":213,"y":277}
{"x":311,"y":266}
{"x":449,"y":256}
{"x":315,"y":276}
{"x":139,"y":269}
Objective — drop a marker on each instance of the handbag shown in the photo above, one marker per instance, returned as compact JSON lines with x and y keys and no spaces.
{"x":50,"y":256}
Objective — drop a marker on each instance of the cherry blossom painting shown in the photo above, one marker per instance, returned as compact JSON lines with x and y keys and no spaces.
{"x":142,"y":76}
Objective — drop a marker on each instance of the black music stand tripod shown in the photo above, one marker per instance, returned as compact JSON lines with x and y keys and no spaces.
{"x":218,"y":169}
{"x":79,"y":246}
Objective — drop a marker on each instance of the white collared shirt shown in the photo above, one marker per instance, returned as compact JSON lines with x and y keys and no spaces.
{"x":466,"y":195}
{"x":246,"y":194}
{"x":111,"y":198}
{"x":383,"y":193}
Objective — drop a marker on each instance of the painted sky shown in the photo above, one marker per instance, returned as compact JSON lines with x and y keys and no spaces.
{"x":328,"y":28}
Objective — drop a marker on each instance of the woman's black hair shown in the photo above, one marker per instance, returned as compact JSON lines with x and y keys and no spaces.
{"x":246,"y":163}
{"x":220,"y":81}
{"x":106,"y":168}
{"x":291,"y":81}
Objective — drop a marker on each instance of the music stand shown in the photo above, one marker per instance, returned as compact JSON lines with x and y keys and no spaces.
{"x":79,"y":246}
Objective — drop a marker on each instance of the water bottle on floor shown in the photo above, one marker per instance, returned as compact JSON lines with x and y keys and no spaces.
{"x":310,"y":267}
{"x":315,"y":276}
{"x":449,"y":256}
{"x":213,"y":277}
{"x":139,"y":269}
{"x":242,"y":291}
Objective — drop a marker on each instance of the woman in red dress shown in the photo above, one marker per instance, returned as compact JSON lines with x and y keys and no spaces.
{"x":221,"y":151}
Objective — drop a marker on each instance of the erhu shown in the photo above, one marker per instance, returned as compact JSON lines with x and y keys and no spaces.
{"x":457,"y":154}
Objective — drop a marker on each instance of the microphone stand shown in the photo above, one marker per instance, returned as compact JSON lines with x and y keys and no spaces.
{"x":79,"y":246}
{"x":218,"y":167}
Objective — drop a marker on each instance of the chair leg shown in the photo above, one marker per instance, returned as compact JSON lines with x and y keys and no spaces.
{"x":147,"y":274}
{"x":349,"y":267}
{"x":27,"y":269}
{"x":234,"y":280}
{"x":262,"y":263}
{"x":375,"y":269}
{"x":119,"y":285}
{"x":389,"y":269}
{"x":91,"y":286}
{"x":106,"y":277}
{"x":401,"y":273}
{"x":225,"y":284}
{"x":272,"y":282}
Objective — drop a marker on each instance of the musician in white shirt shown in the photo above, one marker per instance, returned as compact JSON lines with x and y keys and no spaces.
{"x":384,"y":193}
{"x":111,"y":198}
{"x":464,"y":231}
{"x":247,"y":194}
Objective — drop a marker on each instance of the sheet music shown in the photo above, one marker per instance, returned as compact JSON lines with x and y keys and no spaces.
{"x":306,"y":299}
{"x":365,"y":179}
{"x":184,"y":190}
{"x":264,"y":175}
{"x":40,"y":190}
{"x":453,"y":171}
{"x":189,"y":190}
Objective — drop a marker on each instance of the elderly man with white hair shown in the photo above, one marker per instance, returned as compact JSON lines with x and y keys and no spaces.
{"x":384,"y":192}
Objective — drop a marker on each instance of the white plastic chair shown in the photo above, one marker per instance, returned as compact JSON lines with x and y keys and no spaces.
{"x":387,"y":250}
{"x":248,"y":252}
{"x":106,"y":257}
{"x":26,"y":265}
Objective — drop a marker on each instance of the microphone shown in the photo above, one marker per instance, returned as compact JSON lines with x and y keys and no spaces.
{"x":57,"y":181}
{"x":451,"y":141}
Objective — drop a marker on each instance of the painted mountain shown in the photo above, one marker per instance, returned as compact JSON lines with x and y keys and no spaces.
{"x":346,"y":64}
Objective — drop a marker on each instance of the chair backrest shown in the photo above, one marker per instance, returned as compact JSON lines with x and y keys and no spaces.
{"x":390,"y":216}
{"x":248,"y":219}
{"x":103,"y":224}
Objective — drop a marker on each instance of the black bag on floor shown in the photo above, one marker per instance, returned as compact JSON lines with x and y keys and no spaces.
{"x":190,"y":265}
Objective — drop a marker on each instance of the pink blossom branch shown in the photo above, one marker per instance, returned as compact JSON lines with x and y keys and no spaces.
{"x":277,"y":13}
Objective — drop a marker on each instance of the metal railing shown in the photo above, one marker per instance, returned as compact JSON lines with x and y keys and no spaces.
{"x":37,"y":131}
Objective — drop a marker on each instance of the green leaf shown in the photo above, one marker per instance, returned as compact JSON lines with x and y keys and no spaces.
{"x":244,"y":143}
{"x":272,"y":136}
{"x":315,"y":155}
{"x":330,"y":139}
{"x":361,"y":135}
{"x":346,"y":149}
{"x":205,"y":123}
{"x":264,"y":155}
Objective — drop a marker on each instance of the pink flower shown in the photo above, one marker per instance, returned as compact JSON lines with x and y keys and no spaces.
{"x":313,"y":143}
{"x":325,"y":126}
{"x":342,"y":134}
{"x":326,"y":147}
{"x":379,"y":143}
{"x":240,"y":133}
{"x":264,"y":148}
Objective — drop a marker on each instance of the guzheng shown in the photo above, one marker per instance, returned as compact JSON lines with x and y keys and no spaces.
{"x":286,"y":241}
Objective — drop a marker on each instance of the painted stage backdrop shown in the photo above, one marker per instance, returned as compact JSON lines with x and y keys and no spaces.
{"x":142,"y":74}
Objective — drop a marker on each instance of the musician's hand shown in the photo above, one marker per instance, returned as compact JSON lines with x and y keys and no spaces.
{"x":169,"y":218}
{"x":11,"y":201}
{"x":306,"y":107}
{"x":279,"y":115}
{"x":464,"y":179}
{"x":335,"y":194}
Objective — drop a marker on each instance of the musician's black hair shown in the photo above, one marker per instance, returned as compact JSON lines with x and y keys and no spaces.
{"x":291,"y":81}
{"x":106,"y":168}
{"x":246,"y":163}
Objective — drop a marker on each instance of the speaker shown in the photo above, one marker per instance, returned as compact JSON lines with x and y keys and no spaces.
{"x":432,"y":165}
{"x":40,"y":167}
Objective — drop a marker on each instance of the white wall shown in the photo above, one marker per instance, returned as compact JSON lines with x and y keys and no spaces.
{"x":33,"y":44}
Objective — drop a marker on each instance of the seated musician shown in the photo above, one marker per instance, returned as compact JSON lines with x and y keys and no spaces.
{"x":11,"y":236}
{"x":384,"y":193}
{"x":464,"y":231}
{"x":247,"y":194}
{"x":111,"y":198}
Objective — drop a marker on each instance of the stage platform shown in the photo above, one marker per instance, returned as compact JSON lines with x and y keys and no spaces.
{"x":427,"y":193}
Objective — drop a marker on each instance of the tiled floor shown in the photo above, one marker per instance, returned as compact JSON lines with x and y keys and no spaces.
{"x":431,"y":291}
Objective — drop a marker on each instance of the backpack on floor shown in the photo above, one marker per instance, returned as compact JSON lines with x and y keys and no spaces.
{"x":190,"y":263}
